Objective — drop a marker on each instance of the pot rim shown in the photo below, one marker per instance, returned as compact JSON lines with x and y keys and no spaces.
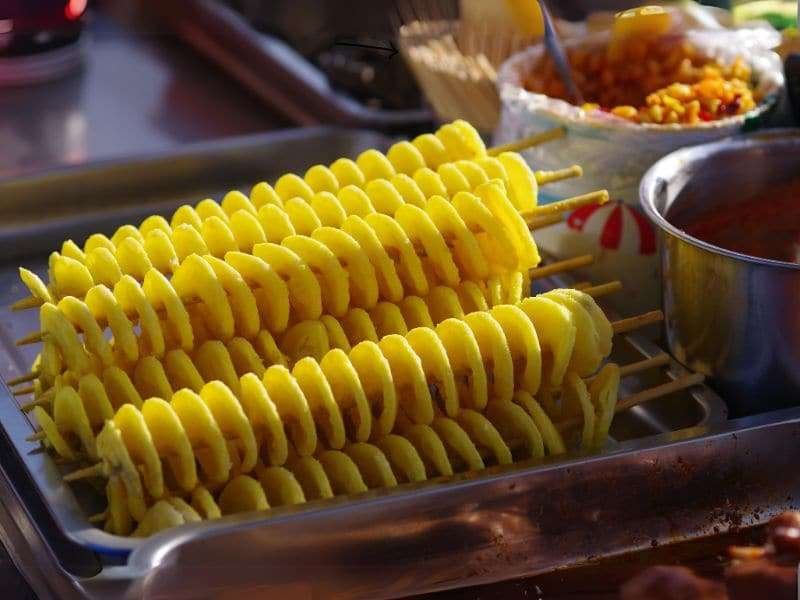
{"x":675,"y":161}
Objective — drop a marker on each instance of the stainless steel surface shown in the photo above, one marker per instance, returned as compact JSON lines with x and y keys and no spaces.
{"x":273,"y":70}
{"x":135,"y":92}
{"x":556,"y":51}
{"x":733,"y":317}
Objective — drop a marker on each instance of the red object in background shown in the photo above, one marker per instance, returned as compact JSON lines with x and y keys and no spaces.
{"x":35,"y":26}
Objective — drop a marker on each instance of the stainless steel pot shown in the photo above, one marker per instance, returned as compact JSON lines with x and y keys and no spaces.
{"x":733,"y":317}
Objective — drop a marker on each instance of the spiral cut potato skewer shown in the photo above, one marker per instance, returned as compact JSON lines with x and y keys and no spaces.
{"x":213,"y":360}
{"x":211,"y":438}
{"x":464,"y":362}
{"x":238,"y":225}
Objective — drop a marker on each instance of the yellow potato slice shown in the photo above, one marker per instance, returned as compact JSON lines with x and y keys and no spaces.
{"x":415,"y":312}
{"x":321,"y":179}
{"x":464,"y":355}
{"x":453,"y":179}
{"x":78,"y":313}
{"x":159,"y":247}
{"x":471,"y":297}
{"x":349,"y":394}
{"x":281,"y":486}
{"x":484,"y":434}
{"x":342,"y":473}
{"x":328,"y":209}
{"x":95,"y":400}
{"x":384,"y":197}
{"x":247,"y":231}
{"x":103,"y":267}
{"x":63,"y":335}
{"x":602,"y":325}
{"x":275,"y":222}
{"x":451,"y":226}
{"x":139,"y":442}
{"x":577,"y":402}
{"x":375,"y":374}
{"x":347,"y":173}
{"x":436,"y":366}
{"x":244,"y":357}
{"x":70,"y":249}
{"x":463,"y":453}
{"x":403,"y":457}
{"x":306,"y":338}
{"x":587,"y":354}
{"x":430,"y":183}
{"x":401,"y":249}
{"x":208,"y":209}
{"x":463,"y":138}
{"x":409,"y":378}
{"x":171,"y":442}
{"x":119,"y":520}
{"x":242,"y":301}
{"x":213,"y":362}
{"x":514,"y":425}
{"x":305,"y":295}
{"x":270,"y":291}
{"x":218,"y":236}
{"x":405,"y":157}
{"x":263,"y":194}
{"x":242,"y":494}
{"x":551,"y":437}
{"x":293,"y":409}
{"x":304,"y":219}
{"x":495,"y":354}
{"x":267,"y":349}
{"x":150,"y":378}
{"x":312,"y":477}
{"x":389,"y":286}
{"x":604,"y":392}
{"x":35,"y":285}
{"x":409,"y":190}
{"x":361,"y":273}
{"x":374,"y":165}
{"x":53,"y":436}
{"x":474,"y":174}
{"x":388,"y":319}
{"x":184,"y":215}
{"x":234,"y":201}
{"x":311,"y":380}
{"x":372,"y":464}
{"x":195,"y":278}
{"x":496,"y":245}
{"x":162,"y":515}
{"x":355,"y":201}
{"x":524,"y":345}
{"x":232,"y":422}
{"x":120,"y":388}
{"x":264,"y":419}
{"x":208,"y":443}
{"x":422,"y":232}
{"x":556,"y":329}
{"x":495,"y":199}
{"x":431,"y":148}
{"x":68,"y":277}
{"x":430,"y":449}
{"x":162,"y":294}
{"x":187,"y":241}
{"x":443,"y":303}
{"x":204,"y":504}
{"x":291,"y":186}
{"x":332,"y":278}
{"x":522,"y":187}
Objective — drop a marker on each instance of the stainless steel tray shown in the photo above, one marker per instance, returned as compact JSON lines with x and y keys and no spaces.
{"x":678,"y":468}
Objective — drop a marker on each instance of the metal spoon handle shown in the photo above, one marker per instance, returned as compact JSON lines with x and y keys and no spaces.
{"x":556,"y":50}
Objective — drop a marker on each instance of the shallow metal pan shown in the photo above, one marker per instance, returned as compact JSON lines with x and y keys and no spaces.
{"x":502,"y":523}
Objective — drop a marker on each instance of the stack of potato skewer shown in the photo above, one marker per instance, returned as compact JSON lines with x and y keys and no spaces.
{"x":358,"y":327}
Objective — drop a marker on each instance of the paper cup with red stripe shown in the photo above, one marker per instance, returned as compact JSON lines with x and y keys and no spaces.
{"x":623,"y":243}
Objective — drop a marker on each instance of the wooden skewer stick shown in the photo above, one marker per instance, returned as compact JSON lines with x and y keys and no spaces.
{"x":24,"y":391}
{"x":582,"y":285}
{"x":45,"y":398}
{"x":26,"y":303}
{"x":32,"y":338}
{"x":604,"y":289}
{"x":95,"y":470}
{"x":631,"y":323}
{"x":562,"y":265}
{"x":39,"y":436}
{"x":676,"y":385}
{"x":545,"y":177}
{"x":23,"y":378}
{"x":568,"y":204}
{"x":659,"y":360}
{"x":99,"y":517}
{"x":545,"y":221}
{"x":529,"y":142}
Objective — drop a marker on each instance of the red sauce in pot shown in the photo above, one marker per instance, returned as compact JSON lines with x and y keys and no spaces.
{"x":767,"y":226}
